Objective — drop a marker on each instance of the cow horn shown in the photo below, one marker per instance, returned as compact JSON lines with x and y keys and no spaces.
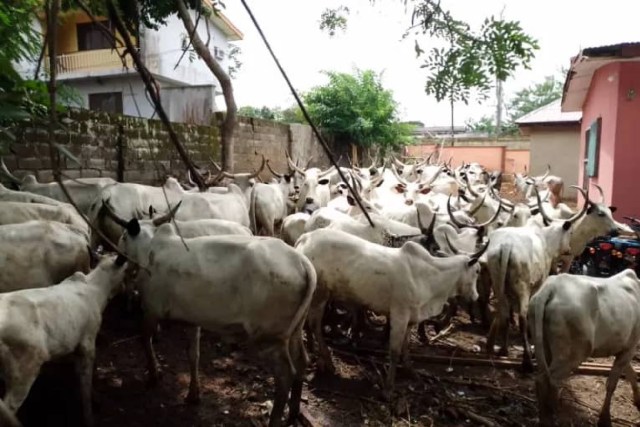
{"x":545,"y":217}
{"x":453,"y":248}
{"x":276,"y":174}
{"x":492,"y":219}
{"x":469,"y":187}
{"x":157,"y":222}
{"x":325,"y":173}
{"x":397,"y":162}
{"x":454,"y":220}
{"x":292,"y":165}
{"x":475,"y":257}
{"x":546,"y":174}
{"x":497,"y":197}
{"x":585,"y":206}
{"x":256,"y":173}
{"x":308,"y":163}
{"x":5,"y":171}
{"x":108,"y":210}
{"x":477,"y":208}
{"x":435,"y":176}
{"x":600,"y":191}
{"x":398,"y":177}
{"x":190,"y":179}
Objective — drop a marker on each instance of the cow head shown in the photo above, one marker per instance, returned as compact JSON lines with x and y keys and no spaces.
{"x":411,"y":191}
{"x":285,"y":182}
{"x":243,"y":180}
{"x":466,"y":285}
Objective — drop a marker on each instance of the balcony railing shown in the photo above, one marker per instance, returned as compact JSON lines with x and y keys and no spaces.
{"x":91,"y":60}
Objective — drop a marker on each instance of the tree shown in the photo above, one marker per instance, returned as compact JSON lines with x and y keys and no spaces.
{"x":154,"y":13}
{"x":356,"y":109}
{"x":470,"y":60}
{"x":288,"y":115}
{"x":535,"y":96}
{"x":524,"y":101}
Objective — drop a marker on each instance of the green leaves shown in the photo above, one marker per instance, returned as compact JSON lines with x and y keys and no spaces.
{"x":357,"y":109}
{"x":332,"y":20}
{"x":535,"y":96}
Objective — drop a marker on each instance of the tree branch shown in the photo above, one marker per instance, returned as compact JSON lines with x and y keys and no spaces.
{"x":154,"y":92}
{"x":229,"y":123}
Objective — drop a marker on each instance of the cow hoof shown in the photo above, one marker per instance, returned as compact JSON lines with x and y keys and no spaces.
{"x":604,"y":422}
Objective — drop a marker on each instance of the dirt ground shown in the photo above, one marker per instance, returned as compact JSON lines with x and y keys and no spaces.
{"x":237,"y":391}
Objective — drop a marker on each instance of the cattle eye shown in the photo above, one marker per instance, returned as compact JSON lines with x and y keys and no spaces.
{"x":601,"y":214}
{"x":419,"y":171}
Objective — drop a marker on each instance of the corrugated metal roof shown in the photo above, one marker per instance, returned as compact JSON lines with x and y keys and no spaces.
{"x":550,"y":113}
{"x":586,"y":63}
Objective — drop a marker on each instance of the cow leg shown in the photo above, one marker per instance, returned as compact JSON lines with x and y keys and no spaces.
{"x":500,"y":323}
{"x":193,"y":352}
{"x":527,"y":364}
{"x":316,"y":311}
{"x":148,"y":329}
{"x":422,"y":332}
{"x":20,"y":375}
{"x":283,"y":377}
{"x":399,"y":323}
{"x":632,"y":378}
{"x":84,"y":370}
{"x":300,"y":360}
{"x":619,"y":364}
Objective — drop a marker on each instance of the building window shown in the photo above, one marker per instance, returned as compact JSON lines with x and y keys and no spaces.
{"x":592,"y":151}
{"x":90,"y":37}
{"x":109,"y":102}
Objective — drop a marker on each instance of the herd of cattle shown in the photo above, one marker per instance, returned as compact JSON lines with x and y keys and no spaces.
{"x":431,"y":235}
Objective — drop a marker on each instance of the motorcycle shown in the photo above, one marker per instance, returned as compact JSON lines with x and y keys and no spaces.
{"x":608,"y":255}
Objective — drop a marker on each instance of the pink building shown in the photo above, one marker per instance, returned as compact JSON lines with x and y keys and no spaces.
{"x":604,"y":83}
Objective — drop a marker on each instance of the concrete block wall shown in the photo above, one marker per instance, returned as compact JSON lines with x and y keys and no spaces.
{"x":94,"y":139}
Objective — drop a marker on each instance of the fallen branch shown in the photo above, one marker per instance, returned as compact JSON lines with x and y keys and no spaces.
{"x":443,"y":333}
{"x":475,"y":417}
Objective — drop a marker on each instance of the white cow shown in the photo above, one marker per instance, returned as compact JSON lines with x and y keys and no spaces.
{"x":254,"y":288}
{"x":83,"y":191}
{"x":573,"y":318}
{"x":407,"y":284}
{"x":17,"y":212}
{"x":37,"y":254}
{"x":519,"y":259}
{"x":7,"y":195}
{"x":293,"y":227}
{"x":268,"y":204}
{"x":39,"y":325}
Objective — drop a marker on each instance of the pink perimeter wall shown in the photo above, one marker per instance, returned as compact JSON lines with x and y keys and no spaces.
{"x":492,"y":158}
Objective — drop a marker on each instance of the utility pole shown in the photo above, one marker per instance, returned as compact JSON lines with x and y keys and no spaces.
{"x":453,"y":132}
{"x":499,"y":96}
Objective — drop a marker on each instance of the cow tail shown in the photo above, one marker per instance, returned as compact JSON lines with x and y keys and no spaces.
{"x":252,"y":211}
{"x":301,"y":315}
{"x":541,"y":299}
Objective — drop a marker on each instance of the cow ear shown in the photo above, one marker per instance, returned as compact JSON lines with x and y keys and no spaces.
{"x":133,"y":227}
{"x":287,"y":178}
{"x":425,"y":190}
{"x":566,"y":225}
{"x":400,"y":188}
{"x":351,"y":200}
{"x":323,"y":181}
{"x":613,"y":209}
{"x":590,"y":208}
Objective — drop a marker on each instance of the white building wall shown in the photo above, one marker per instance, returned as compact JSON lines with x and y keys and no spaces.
{"x":131,"y":87}
{"x":162,"y":49}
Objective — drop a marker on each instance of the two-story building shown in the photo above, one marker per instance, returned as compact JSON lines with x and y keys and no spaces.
{"x":87,"y":63}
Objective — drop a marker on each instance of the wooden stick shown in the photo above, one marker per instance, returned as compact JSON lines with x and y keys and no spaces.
{"x":586,"y":368}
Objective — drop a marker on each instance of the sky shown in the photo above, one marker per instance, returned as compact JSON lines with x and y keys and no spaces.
{"x":373,"y":41}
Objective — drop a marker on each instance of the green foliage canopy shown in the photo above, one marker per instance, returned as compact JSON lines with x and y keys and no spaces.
{"x":357,"y":109}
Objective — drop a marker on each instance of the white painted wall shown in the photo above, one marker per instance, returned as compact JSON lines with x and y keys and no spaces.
{"x":162,"y":49}
{"x":132,"y":89}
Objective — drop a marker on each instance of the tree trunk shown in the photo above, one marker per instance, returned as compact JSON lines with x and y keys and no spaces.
{"x":229,"y":123}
